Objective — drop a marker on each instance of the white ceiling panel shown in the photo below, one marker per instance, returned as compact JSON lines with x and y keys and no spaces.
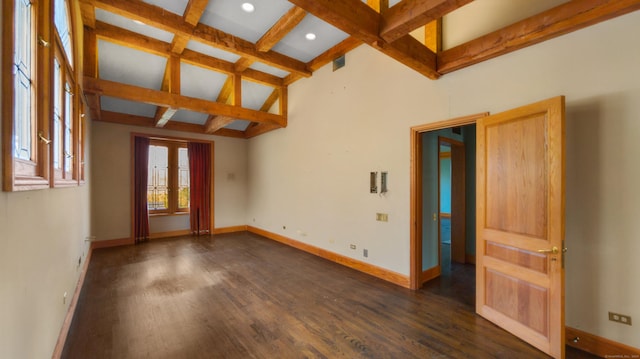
{"x":129,"y":66}
{"x":297,"y":46}
{"x":212,"y":51}
{"x":190,"y":117}
{"x":239,"y":125}
{"x":175,"y":6}
{"x":201,"y":83}
{"x":229,"y":17}
{"x":269,"y":69}
{"x":129,"y":107}
{"x":254,"y":95}
{"x":123,"y":22}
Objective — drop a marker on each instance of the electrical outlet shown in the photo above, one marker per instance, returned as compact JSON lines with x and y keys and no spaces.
{"x":352,"y":246}
{"x":365,"y":253}
{"x":620,"y":318}
{"x":64,"y":298}
{"x":382,"y":217}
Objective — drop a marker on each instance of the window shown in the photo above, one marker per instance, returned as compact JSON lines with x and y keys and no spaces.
{"x":41,"y":138}
{"x":168,"y":177}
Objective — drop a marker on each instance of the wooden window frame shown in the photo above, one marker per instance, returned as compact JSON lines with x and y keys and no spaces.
{"x":172,"y":174}
{"x":38,"y":173}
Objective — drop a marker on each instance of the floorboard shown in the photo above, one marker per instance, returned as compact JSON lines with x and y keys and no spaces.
{"x":243,"y":296}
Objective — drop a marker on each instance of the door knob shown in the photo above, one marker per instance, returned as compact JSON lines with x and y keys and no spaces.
{"x":553,"y":250}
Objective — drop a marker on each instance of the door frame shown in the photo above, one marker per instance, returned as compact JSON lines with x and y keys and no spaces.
{"x":415,"y":269}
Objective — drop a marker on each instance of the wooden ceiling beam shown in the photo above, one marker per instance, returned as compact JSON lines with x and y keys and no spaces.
{"x":256,"y":129}
{"x":409,"y":15}
{"x":192,"y":15}
{"x":171,"y":84}
{"x":161,"y":98}
{"x":216,"y":123}
{"x":554,"y":22}
{"x":157,"y":17}
{"x":380,"y":6}
{"x":362,"y":22}
{"x":134,"y":120}
{"x":136,"y":41}
{"x":88,"y":14}
{"x":280,"y":29}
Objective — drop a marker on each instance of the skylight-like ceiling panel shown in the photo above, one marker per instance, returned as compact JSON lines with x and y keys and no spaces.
{"x":129,"y":107}
{"x":296,"y":44}
{"x":254,"y":95}
{"x":186,"y":116}
{"x":201,"y":83}
{"x":123,"y":22}
{"x":269,"y":69}
{"x":175,"y":6}
{"x":229,"y":17}
{"x":239,"y":125}
{"x":212,"y":51}
{"x":122,"y":64}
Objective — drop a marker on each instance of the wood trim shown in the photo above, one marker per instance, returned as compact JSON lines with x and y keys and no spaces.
{"x":470,"y":258}
{"x":430,"y":274}
{"x":382,"y":273}
{"x":415,"y":231}
{"x":599,"y":346}
{"x":232,"y":229}
{"x":159,"y":235}
{"x":66,"y":325}
{"x":108,"y":243}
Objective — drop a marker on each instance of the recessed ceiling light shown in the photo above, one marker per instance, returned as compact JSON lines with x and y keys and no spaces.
{"x":248,"y":7}
{"x":310,"y":36}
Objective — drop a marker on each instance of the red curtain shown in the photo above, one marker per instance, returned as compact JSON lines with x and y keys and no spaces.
{"x":141,"y":169}
{"x":200,"y":187}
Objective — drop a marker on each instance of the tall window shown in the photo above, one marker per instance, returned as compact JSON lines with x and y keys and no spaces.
{"x":41,"y":138}
{"x":168,"y":181}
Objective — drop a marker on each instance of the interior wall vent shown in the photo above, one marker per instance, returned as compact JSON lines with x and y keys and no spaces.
{"x":339,"y":62}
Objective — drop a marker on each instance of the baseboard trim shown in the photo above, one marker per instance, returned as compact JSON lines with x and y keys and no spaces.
{"x":430,"y":274}
{"x":111,"y":243}
{"x":66,"y":325}
{"x":232,"y":229}
{"x":602,"y":347}
{"x":385,"y":274}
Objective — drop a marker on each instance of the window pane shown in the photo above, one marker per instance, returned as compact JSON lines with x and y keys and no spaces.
{"x":68,"y":128}
{"x":23,"y":126}
{"x":157,"y":187}
{"x":62,"y":22}
{"x":57,"y":115}
{"x":183,"y":178}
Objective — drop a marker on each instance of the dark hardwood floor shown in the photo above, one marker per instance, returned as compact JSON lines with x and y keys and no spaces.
{"x":243,"y":296}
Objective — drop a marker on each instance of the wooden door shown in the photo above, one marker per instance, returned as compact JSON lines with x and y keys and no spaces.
{"x":520,"y":223}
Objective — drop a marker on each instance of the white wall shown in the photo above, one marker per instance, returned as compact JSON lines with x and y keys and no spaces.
{"x":42,"y":237}
{"x":310,"y":181}
{"x":111,"y":190}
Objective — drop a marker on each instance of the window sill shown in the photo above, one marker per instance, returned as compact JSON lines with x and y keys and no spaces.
{"x":168,"y":214}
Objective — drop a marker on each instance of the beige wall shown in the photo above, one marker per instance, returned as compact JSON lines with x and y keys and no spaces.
{"x":310,"y":181}
{"x":111,"y":169}
{"x":42,"y":237}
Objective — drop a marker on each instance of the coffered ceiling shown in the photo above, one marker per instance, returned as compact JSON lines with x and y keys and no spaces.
{"x":210,"y":66}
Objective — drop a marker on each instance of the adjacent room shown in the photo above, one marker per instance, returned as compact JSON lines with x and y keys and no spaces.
{"x":313,"y":178}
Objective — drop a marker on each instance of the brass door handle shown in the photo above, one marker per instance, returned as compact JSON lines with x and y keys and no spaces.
{"x":553,"y":250}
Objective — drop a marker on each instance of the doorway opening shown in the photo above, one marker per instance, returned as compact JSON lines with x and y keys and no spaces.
{"x":443,"y":208}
